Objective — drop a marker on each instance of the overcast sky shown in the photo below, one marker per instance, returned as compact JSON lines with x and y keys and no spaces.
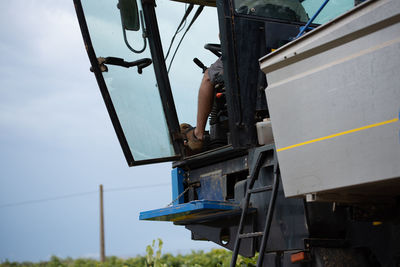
{"x":56,"y":139}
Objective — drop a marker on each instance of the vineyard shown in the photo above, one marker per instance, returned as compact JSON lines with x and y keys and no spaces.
{"x":153,"y":258}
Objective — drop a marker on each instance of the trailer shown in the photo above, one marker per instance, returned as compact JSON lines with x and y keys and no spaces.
{"x":302,"y":160}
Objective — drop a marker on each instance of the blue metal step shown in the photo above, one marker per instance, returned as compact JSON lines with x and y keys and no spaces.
{"x":193,"y":210}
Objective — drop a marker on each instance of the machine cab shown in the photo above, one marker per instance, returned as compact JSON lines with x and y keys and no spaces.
{"x":123,"y":42}
{"x":127,"y":57}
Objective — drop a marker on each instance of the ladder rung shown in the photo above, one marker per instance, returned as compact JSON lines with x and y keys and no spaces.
{"x":269,"y":164}
{"x":250,"y":235}
{"x":261,"y":189}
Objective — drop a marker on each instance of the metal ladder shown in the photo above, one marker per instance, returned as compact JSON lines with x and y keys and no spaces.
{"x":250,"y":190}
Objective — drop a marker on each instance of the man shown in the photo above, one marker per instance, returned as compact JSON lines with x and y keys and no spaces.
{"x":194,"y":136}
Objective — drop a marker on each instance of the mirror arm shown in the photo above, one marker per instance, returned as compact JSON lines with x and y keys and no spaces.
{"x":144,"y":35}
{"x":116,"y":61}
{"x":145,"y":63}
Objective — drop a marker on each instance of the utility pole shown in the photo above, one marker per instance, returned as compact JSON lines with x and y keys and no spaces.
{"x":102,"y":250}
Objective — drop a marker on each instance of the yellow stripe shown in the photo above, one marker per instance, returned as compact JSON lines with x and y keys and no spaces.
{"x":339,"y":134}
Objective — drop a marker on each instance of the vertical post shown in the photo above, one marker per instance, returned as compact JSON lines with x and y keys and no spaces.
{"x":177,"y":186}
{"x":102,"y":250}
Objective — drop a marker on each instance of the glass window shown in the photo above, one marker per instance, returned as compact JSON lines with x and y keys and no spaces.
{"x":293,"y":10}
{"x":333,"y":9}
{"x":135,"y":97}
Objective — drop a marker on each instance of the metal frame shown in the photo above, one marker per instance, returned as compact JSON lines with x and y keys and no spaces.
{"x":238,"y":33}
{"x":160,"y":69}
{"x":161,"y":76}
{"x":177,"y":179}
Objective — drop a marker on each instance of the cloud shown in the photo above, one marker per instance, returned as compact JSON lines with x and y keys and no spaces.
{"x":46,"y":86}
{"x":40,"y":32}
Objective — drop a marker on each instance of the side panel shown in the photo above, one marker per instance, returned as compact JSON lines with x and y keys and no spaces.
{"x":334,"y":101}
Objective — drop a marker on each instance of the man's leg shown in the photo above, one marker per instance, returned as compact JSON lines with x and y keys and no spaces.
{"x":204,"y":105}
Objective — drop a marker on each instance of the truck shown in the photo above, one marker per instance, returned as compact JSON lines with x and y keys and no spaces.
{"x":302,"y":159}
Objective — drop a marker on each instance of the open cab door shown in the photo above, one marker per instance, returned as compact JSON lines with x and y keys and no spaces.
{"x":132,"y":77}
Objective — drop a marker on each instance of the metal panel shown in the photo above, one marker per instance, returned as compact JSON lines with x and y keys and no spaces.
{"x":334,"y":102}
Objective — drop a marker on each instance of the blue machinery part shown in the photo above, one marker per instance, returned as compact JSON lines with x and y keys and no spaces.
{"x":177,"y":186}
{"x":194,"y":210}
{"x":303,"y":29}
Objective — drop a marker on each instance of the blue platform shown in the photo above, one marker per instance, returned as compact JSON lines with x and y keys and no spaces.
{"x":189,"y":211}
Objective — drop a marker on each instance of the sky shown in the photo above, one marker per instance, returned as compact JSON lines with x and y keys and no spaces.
{"x":56,"y":139}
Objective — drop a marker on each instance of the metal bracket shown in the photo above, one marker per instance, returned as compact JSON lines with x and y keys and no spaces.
{"x":101,"y":61}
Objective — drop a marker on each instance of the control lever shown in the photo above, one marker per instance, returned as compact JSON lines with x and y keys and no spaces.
{"x":200,"y":64}
{"x":116,"y":61}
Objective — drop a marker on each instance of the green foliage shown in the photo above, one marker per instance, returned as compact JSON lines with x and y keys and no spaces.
{"x":153,"y":258}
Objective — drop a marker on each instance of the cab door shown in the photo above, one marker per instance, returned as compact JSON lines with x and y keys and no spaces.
{"x":129,"y":66}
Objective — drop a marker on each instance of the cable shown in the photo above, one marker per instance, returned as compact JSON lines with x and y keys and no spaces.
{"x":46,"y":199}
{"x":79,"y":195}
{"x":134,"y":187}
{"x":180,"y":27}
{"x":184,"y":24}
{"x":143,"y":35}
{"x":198,"y":12}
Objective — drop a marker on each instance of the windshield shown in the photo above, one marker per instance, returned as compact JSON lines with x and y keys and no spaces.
{"x":293,"y":10}
{"x":185,"y":76}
